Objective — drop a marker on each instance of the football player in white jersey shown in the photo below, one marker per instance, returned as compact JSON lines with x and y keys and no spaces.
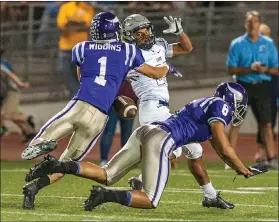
{"x":154,"y":96}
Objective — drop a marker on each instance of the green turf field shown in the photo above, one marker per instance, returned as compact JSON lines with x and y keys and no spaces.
{"x":256,"y":199}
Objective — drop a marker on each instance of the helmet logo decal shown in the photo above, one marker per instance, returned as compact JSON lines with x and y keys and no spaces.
{"x":238,"y":95}
{"x":115,"y":20}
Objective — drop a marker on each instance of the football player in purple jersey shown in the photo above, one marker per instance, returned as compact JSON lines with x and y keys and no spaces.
{"x":102,"y":66}
{"x":152,"y":144}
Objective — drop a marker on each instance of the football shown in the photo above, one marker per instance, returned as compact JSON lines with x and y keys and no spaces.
{"x":125,"y":107}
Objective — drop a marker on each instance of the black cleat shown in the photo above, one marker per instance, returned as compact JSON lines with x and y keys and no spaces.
{"x":95,"y":199}
{"x":35,"y":150}
{"x":135,"y":183}
{"x":42,"y":168}
{"x":29,"y":191}
{"x":218,"y":202}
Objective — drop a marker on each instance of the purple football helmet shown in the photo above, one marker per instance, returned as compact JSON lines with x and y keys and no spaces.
{"x":105,"y":27}
{"x":236,"y":98}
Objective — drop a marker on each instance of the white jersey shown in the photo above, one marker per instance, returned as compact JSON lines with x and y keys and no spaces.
{"x":147,"y":88}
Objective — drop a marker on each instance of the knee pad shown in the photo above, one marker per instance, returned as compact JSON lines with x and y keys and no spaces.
{"x":177,"y":152}
{"x":192,"y":150}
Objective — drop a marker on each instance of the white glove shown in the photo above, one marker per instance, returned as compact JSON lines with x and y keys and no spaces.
{"x":174,"y":26}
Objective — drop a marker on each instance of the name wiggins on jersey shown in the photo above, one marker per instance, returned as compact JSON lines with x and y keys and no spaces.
{"x":105,"y":47}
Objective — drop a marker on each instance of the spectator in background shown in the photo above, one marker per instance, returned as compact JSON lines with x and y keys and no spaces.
{"x":73,"y":20}
{"x":13,"y":13}
{"x":48,"y":19}
{"x":10,"y":99}
{"x":274,"y":90}
{"x":253,"y":58}
{"x":125,"y":125}
{"x":151,"y":6}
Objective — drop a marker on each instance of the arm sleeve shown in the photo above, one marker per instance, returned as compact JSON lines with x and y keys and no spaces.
{"x":168,"y":47}
{"x":273,"y":56}
{"x":62,"y":17}
{"x":232,"y":56}
{"x":139,"y":60}
{"x":219,"y":111}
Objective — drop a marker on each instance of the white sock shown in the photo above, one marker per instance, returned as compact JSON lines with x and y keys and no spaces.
{"x":140,"y":177}
{"x":208,"y":191}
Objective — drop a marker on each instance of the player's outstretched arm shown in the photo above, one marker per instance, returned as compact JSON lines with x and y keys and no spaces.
{"x":158,"y":71}
{"x":184,"y":45}
{"x":223,"y":148}
{"x":154,"y":72}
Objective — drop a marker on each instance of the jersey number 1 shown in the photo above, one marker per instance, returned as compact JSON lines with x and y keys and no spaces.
{"x":103,"y":67}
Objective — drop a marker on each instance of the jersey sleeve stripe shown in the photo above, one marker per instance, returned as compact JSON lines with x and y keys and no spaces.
{"x":82,"y":51}
{"x":216,"y":119}
{"x":209,"y":103}
{"x":133,"y":55}
{"x":127,"y":53}
{"x":204,"y":102}
{"x":77,"y":54}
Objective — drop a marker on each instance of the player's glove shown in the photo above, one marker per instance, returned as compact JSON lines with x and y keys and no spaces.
{"x":174,"y":71}
{"x":256,"y":169}
{"x":175,"y":26}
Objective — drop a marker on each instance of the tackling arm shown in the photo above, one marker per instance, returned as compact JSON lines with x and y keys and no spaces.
{"x":154,"y":72}
{"x":223,"y":148}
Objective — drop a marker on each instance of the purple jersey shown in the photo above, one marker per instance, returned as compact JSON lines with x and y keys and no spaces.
{"x":103,"y":68}
{"x":192,"y":123}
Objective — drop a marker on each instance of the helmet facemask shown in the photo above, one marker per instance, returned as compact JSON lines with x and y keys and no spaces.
{"x":144,"y":39}
{"x":239,"y":112}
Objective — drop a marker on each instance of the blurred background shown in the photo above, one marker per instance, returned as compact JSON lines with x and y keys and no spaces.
{"x":29,"y":37}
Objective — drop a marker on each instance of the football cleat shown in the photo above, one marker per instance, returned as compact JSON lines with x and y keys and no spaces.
{"x":95,"y":199}
{"x":135,"y":183}
{"x":42,"y":168}
{"x":29,"y":191}
{"x":217,"y":202}
{"x":33,"y":151}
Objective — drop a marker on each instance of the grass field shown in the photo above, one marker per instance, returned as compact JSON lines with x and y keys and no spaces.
{"x":256,"y":199}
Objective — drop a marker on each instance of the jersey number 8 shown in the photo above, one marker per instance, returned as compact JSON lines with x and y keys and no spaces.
{"x":225,"y":110}
{"x":101,"y":78}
